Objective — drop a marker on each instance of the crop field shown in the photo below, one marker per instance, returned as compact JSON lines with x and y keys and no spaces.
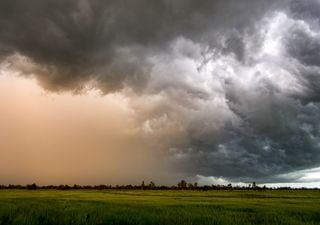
{"x":77,"y":207}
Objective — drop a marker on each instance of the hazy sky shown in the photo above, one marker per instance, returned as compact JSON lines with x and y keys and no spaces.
{"x":121,"y":91}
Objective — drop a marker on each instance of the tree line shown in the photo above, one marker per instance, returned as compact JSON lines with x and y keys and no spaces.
{"x":182,"y":185}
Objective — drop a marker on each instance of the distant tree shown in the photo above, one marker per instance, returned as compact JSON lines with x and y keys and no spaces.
{"x":195,"y":185}
{"x":182,"y":184}
{"x":32,"y":186}
{"x":152,"y":185}
{"x":206,"y":188}
{"x":75,"y":186}
{"x":254,"y":184}
{"x":143,"y":185}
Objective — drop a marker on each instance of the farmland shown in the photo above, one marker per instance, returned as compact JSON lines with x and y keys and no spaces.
{"x":80,"y":207}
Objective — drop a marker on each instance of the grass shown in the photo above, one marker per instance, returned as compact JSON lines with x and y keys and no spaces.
{"x":79,"y":207}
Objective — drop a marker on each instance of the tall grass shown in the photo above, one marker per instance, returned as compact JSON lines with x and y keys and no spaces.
{"x":158,"y":207}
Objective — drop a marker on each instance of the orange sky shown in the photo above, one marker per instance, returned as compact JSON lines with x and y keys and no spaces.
{"x":64,"y":138}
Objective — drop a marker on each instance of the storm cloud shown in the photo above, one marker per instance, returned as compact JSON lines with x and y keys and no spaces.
{"x":111,"y":42}
{"x":224,"y":88}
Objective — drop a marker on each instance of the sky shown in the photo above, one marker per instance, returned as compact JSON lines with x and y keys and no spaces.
{"x":121,"y":91}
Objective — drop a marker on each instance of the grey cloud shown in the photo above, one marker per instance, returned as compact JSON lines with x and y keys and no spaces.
{"x":204,"y":84}
{"x":267,"y":126}
{"x":303,"y":44}
{"x":75,"y":41}
{"x":305,"y":10}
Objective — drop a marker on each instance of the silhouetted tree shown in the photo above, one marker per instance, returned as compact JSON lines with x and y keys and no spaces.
{"x":190,"y":186}
{"x":32,"y":186}
{"x":182,"y":184}
{"x":196,"y":185}
{"x":152,"y":185}
{"x":254,"y":184}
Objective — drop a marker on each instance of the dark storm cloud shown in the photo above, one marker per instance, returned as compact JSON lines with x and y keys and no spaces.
{"x":275,"y":126}
{"x":228,"y":88}
{"x":303,"y":44}
{"x":279,"y":132}
{"x":75,"y":41}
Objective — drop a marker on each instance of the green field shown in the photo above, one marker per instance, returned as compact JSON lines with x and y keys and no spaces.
{"x":45,"y":207}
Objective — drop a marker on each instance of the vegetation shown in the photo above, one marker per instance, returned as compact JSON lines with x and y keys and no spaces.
{"x":112,"y":206}
{"x":182,"y":185}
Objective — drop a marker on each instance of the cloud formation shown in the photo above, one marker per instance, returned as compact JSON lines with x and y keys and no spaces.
{"x":224,"y":88}
{"x":75,"y":41}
